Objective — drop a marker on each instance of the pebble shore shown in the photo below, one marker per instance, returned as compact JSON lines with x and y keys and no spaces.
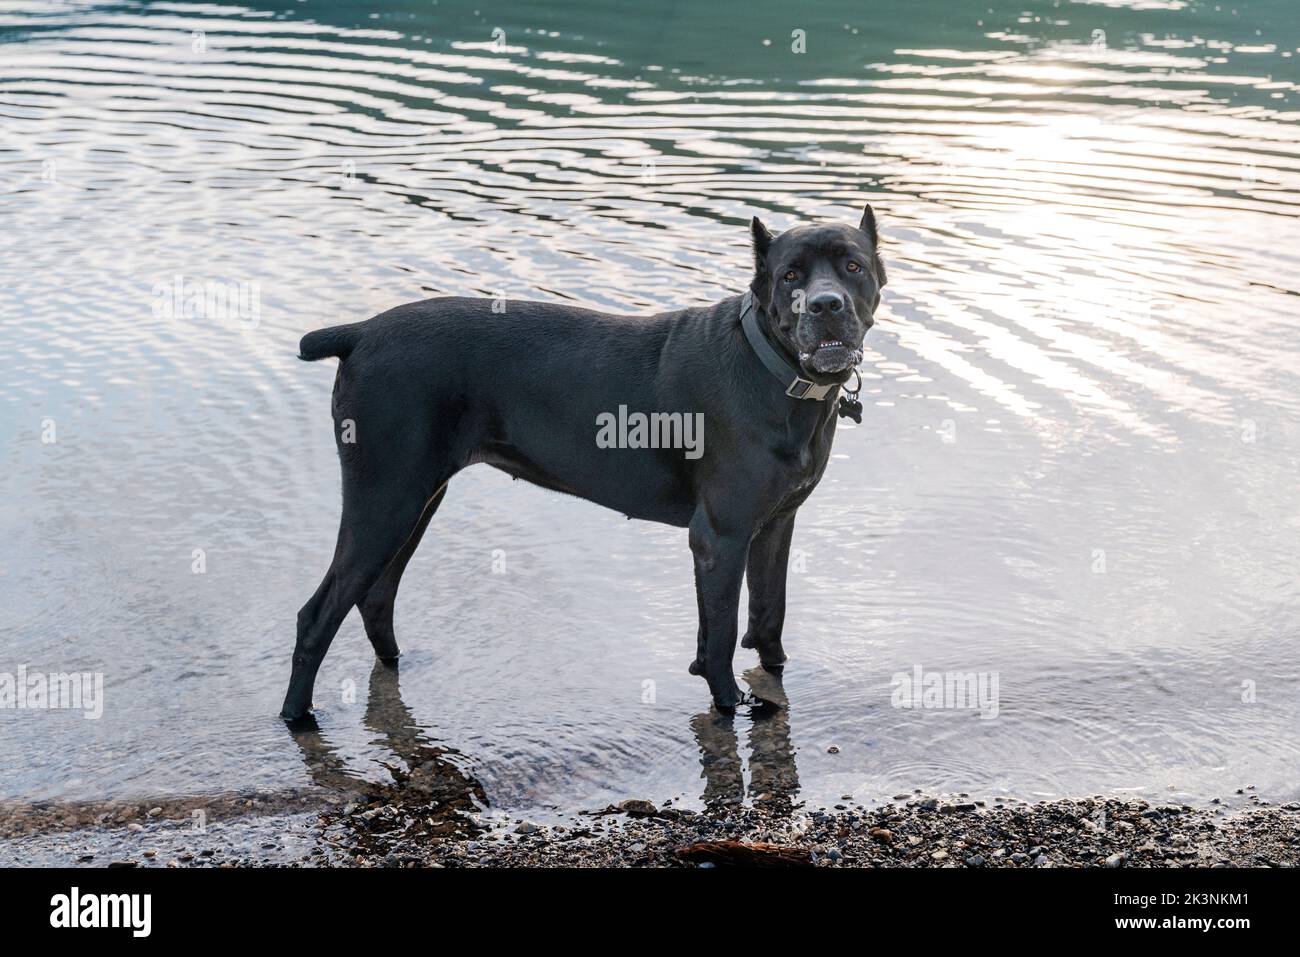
{"x":916,"y":831}
{"x":392,"y":827}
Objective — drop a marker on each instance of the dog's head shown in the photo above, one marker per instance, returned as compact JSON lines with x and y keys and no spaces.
{"x":819,"y":286}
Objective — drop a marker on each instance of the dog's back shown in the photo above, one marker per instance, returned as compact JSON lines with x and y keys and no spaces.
{"x":523,"y":386}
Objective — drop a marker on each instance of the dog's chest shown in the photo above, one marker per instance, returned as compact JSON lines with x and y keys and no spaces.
{"x":801,"y":459}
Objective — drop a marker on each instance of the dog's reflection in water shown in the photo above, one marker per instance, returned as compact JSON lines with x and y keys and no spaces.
{"x":773,"y":778}
{"x":431,"y":771}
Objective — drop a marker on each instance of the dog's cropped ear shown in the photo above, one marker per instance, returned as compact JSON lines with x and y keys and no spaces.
{"x":761,"y":284}
{"x":762,"y":240}
{"x":868,"y":226}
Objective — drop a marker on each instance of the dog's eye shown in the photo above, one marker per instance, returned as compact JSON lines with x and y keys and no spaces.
{"x":791,"y":276}
{"x":853,"y":267}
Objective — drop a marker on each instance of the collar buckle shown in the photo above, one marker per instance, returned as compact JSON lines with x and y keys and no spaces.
{"x":806,"y":389}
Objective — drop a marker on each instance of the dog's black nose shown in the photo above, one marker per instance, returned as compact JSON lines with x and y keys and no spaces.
{"x":825,"y":302}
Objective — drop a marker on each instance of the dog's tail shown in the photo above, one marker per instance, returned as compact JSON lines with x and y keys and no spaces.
{"x":335,"y":341}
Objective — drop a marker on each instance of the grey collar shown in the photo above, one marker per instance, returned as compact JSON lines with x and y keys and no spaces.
{"x":796,"y":386}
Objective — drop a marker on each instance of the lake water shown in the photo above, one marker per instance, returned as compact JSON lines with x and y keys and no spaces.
{"x":1077,"y":469}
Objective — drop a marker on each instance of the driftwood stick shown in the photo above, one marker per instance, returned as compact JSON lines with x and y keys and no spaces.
{"x":746,"y":854}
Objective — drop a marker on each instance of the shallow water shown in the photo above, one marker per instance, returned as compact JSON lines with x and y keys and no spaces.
{"x":1077,"y":467}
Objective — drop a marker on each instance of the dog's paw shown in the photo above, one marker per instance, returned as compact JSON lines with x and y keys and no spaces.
{"x":696,"y":668}
{"x":770,"y":656}
{"x":728,"y":703}
{"x":727,"y":696}
{"x":304,"y":723}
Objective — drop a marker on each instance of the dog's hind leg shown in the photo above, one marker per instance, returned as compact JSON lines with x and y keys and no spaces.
{"x":377,"y":521}
{"x":377,"y":606}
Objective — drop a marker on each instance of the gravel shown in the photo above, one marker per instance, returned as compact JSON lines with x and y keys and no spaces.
{"x":393,"y":827}
{"x":921,"y":832}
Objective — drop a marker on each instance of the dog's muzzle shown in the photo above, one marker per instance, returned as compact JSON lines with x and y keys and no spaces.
{"x":829,"y":357}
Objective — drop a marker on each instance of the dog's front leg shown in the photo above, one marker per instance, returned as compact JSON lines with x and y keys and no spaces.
{"x":769,"y":557}
{"x":719,"y":569}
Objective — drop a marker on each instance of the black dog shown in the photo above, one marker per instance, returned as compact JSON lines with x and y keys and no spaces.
{"x":428,"y":388}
